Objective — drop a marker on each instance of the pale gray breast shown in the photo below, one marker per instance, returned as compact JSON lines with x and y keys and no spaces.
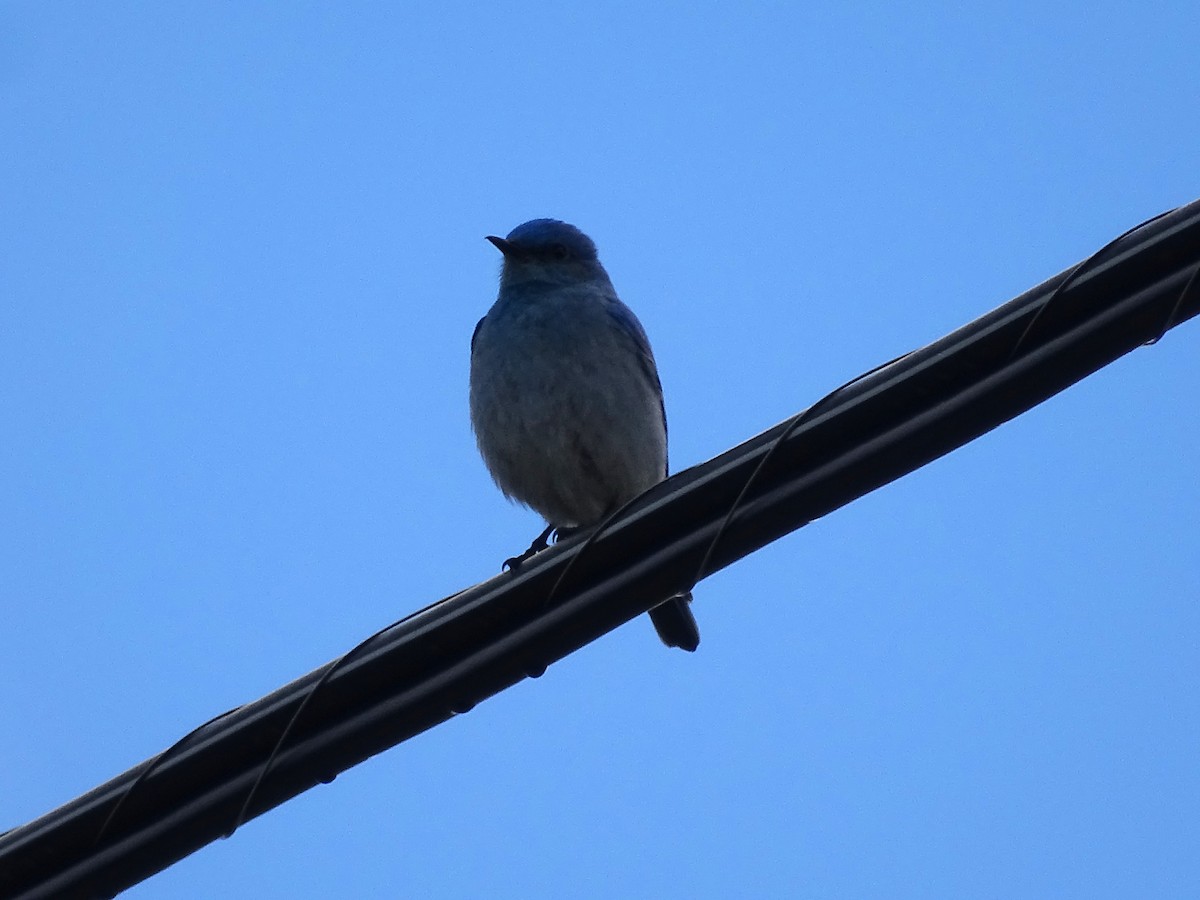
{"x":566,"y":418}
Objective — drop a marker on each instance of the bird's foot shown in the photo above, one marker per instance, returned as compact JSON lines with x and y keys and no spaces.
{"x":540,"y":543}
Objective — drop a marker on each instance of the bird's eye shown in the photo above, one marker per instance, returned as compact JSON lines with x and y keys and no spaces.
{"x":559,"y":251}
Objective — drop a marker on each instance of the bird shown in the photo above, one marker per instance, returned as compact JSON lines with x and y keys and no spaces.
{"x":565,"y":399}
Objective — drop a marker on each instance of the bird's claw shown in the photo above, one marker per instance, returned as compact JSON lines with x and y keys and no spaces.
{"x":514,"y":562}
{"x":540,"y":543}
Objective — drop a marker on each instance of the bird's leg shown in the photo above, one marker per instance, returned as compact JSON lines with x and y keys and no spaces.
{"x":540,"y":543}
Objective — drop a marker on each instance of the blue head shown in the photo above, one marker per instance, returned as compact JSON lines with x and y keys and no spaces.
{"x":548,"y":251}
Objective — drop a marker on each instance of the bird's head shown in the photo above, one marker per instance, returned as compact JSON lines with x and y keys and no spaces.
{"x":547,"y":250}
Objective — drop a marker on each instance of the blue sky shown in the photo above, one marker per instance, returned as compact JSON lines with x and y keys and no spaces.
{"x":242,"y":258}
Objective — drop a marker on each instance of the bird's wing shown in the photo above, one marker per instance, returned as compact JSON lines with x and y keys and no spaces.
{"x":629,"y":325}
{"x":475,"y":333}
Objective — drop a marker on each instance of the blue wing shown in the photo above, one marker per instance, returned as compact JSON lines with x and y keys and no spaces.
{"x":628,"y":323}
{"x":475,"y":333}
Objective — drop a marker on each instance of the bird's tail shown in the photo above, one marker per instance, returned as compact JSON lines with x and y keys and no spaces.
{"x":675,"y":623}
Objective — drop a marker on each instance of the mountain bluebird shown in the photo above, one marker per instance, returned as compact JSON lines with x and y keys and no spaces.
{"x":566,"y":403}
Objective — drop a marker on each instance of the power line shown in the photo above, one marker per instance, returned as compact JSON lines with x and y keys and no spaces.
{"x":444,"y":659}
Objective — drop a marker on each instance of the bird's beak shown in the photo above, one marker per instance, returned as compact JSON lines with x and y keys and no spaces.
{"x":501,"y":244}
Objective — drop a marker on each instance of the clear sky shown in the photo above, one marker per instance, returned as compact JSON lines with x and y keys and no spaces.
{"x":242,"y":256}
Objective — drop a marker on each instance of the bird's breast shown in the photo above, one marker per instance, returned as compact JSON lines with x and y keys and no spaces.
{"x":565,"y":417}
